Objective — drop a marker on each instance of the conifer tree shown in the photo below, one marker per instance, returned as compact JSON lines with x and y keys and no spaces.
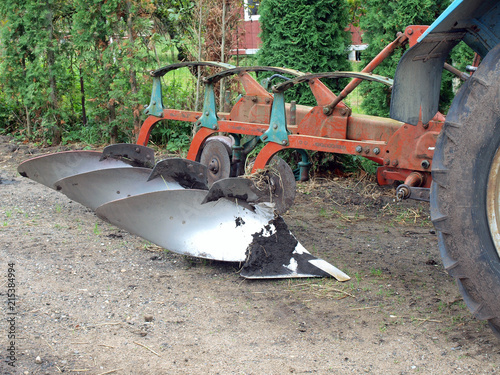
{"x":33,"y":52}
{"x":305,"y":35}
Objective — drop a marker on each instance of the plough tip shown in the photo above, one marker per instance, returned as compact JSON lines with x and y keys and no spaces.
{"x":280,"y":255}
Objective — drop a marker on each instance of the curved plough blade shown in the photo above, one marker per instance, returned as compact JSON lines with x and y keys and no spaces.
{"x":48,"y":169}
{"x":95,"y":188}
{"x":223,"y":230}
{"x":168,"y":206}
{"x":177,"y":221}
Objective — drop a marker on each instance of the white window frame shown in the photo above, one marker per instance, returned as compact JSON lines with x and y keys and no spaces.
{"x":249,"y":17}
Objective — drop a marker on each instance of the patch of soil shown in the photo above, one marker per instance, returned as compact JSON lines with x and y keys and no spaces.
{"x":92,"y":298}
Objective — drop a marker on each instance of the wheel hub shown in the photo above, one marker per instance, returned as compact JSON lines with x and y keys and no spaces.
{"x":213,"y":166}
{"x":493,"y":200}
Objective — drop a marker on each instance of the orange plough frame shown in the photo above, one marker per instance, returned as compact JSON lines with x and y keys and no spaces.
{"x":403,"y":151}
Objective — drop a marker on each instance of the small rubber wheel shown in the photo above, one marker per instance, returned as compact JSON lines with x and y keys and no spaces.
{"x":465,"y":192}
{"x":216,"y":157}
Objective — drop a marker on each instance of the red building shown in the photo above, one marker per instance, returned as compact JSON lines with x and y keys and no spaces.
{"x":251,"y":41}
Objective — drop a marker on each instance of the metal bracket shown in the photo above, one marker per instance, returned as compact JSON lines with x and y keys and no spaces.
{"x":410,"y":192}
{"x":209,"y":117}
{"x":155,"y":107}
{"x":277,"y":132}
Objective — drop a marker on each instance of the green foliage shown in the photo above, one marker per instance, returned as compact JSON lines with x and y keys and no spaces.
{"x":383,"y":20}
{"x":80,"y":68}
{"x":305,"y":35}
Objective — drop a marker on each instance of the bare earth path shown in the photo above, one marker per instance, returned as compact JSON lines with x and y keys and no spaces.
{"x":85,"y":290}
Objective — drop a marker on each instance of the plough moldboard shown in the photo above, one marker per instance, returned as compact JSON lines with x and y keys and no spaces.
{"x":173,"y":206}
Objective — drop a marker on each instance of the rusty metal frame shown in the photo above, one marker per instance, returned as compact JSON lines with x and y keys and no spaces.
{"x":401,"y":149}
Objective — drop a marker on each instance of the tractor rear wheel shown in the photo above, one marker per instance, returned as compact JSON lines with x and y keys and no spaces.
{"x":465,"y":195}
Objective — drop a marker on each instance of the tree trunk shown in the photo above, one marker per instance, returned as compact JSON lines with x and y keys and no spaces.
{"x":197,"y":101}
{"x":29,"y":130}
{"x":82,"y":91}
{"x":51,"y":59}
{"x":133,"y":78}
{"x":222,"y":88}
{"x":113,"y":133}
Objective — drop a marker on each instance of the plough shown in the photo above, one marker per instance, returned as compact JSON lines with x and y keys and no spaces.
{"x":205,"y":206}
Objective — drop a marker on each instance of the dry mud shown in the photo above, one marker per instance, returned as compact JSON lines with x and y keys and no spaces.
{"x":93,"y":299}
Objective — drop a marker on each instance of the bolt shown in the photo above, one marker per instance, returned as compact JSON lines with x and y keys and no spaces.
{"x":359,"y":149}
{"x":284,"y":142}
{"x":387,"y":162}
{"x":326,"y":110}
{"x":425,"y":164}
{"x":275,"y":126}
{"x":395,"y":163}
{"x":264,"y":137}
{"x":376,"y":151}
{"x":343,"y":111}
{"x":206,"y":113}
{"x":154,"y":103}
{"x":410,"y":31}
{"x":425,"y":126}
{"x":268,"y":101}
{"x":138,"y":150}
{"x":254,"y":99}
{"x":367,"y":151}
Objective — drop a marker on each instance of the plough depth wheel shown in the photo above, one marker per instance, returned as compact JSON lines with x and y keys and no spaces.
{"x":465,"y":197}
{"x":215,"y":155}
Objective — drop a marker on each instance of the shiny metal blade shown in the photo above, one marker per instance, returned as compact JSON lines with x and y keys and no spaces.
{"x":177,"y":221}
{"x":48,"y":169}
{"x":93,"y":189}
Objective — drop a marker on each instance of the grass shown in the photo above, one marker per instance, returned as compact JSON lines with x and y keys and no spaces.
{"x":407,"y":215}
{"x":376,"y":272}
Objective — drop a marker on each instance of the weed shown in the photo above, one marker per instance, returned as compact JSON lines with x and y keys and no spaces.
{"x":8,"y":214}
{"x":357,"y":276}
{"x":383,"y":327}
{"x":97,"y":231}
{"x":58,"y":208}
{"x":323,"y":213}
{"x":376,"y":272}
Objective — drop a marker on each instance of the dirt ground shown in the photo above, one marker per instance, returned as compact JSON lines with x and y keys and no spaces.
{"x":93,"y":299}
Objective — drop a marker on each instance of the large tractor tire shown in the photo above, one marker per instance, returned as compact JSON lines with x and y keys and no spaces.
{"x":465,"y":195}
